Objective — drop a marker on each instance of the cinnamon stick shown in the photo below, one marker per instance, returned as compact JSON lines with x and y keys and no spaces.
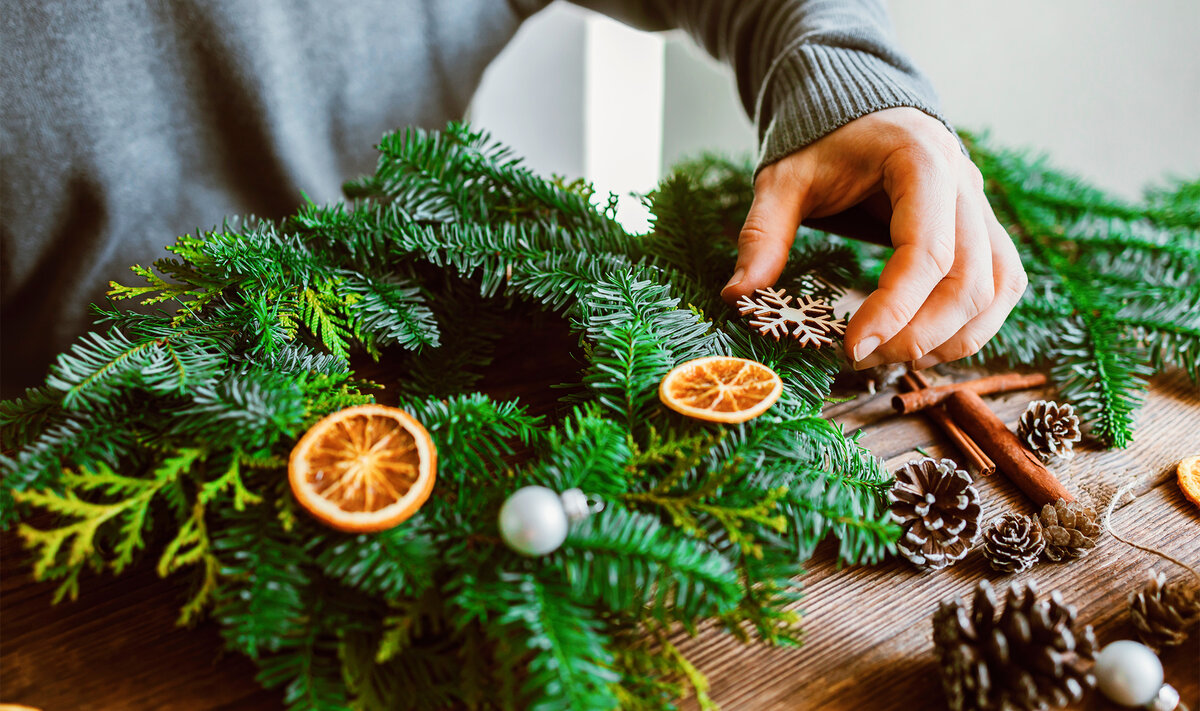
{"x":928,"y":397}
{"x":1020,"y":465}
{"x":974,"y":456}
{"x":920,"y":378}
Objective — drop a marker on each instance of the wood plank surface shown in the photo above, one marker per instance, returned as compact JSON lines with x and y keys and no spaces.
{"x":868,"y":631}
{"x":868,"y":640}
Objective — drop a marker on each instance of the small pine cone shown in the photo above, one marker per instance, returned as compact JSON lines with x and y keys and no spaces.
{"x":1163,"y":613}
{"x":1032,"y":657}
{"x":1049,"y":429}
{"x":1012,"y":543}
{"x":939,"y":510}
{"x":1070,"y":529}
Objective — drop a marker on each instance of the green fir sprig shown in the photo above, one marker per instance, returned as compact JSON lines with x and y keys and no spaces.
{"x":1114,"y":289}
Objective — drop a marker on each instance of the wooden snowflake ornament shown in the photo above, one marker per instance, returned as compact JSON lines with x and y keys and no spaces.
{"x":813,"y":319}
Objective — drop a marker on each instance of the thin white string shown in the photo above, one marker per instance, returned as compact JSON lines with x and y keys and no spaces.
{"x":1112,"y":505}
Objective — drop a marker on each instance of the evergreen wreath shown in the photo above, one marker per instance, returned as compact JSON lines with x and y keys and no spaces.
{"x":179,"y":425}
{"x":174,"y":428}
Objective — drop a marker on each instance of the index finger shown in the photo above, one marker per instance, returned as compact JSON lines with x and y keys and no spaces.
{"x":923,"y":191}
{"x":765,"y":238}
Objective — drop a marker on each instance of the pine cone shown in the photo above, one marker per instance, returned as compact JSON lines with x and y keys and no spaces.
{"x":1032,"y":657}
{"x":1049,"y":429}
{"x":1012,"y":542}
{"x":939,"y":510}
{"x":1164,"y":613}
{"x":1070,"y":529}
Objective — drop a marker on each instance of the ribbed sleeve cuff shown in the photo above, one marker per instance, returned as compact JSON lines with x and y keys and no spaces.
{"x":813,"y":89}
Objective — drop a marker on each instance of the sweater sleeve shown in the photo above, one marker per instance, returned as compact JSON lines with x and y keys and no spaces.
{"x":803,"y":67}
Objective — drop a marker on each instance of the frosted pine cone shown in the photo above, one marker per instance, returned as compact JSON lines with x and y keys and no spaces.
{"x":1164,"y":613}
{"x":939,"y":510}
{"x":1032,"y":657}
{"x":1070,"y":529}
{"x":1049,"y":429}
{"x":1012,"y":543}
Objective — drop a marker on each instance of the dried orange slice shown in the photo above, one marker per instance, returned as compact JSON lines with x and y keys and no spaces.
{"x":362,"y":469}
{"x":1189,"y":478}
{"x":720,"y":389}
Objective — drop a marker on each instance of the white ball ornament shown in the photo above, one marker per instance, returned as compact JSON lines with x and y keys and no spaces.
{"x":1128,"y":673}
{"x":535,"y":520}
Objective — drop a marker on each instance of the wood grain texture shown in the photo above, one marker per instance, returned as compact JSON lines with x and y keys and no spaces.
{"x":869,"y":637}
{"x":868,"y":640}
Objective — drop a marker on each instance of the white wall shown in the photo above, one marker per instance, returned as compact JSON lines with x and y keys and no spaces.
{"x":1111,"y":89}
{"x":532,"y":94}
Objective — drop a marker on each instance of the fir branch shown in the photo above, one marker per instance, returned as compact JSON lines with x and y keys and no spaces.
{"x":21,"y":419}
{"x":91,"y":371}
{"x":1170,"y":331}
{"x":1176,"y":203}
{"x":475,"y":435}
{"x":676,"y":576}
{"x":262,"y":603}
{"x":393,"y":564}
{"x":571,"y":667}
{"x":1095,"y":363}
{"x":307,"y":665}
{"x":1103,"y":377}
{"x":638,"y":333}
{"x":766,"y":608}
{"x":390,"y":311}
{"x":587,"y":452}
{"x":422,"y":673}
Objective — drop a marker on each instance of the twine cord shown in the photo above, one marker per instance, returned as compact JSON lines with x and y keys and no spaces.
{"x":1112,"y":505}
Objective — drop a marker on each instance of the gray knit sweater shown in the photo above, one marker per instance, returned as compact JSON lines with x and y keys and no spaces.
{"x":126,"y":123}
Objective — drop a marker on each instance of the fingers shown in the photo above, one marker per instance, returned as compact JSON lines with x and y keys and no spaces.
{"x":954,"y":275}
{"x":923,"y":192}
{"x":767,"y":235}
{"x":965,"y":292}
{"x":1010,"y":281}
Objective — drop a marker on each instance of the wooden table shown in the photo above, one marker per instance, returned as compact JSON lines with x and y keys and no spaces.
{"x":868,"y":631}
{"x":869,"y":640}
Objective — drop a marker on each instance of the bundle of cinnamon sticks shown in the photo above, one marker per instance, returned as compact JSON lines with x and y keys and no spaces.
{"x":984,"y":440}
{"x":978,"y":460}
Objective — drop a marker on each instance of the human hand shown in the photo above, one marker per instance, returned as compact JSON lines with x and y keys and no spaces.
{"x":955,"y":274}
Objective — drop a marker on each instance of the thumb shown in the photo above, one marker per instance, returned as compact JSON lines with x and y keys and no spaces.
{"x":766,"y":237}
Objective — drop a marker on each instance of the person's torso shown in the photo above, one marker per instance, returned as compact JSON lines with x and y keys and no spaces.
{"x":128,"y":123}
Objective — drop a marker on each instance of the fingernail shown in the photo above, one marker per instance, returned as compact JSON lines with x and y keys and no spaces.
{"x":869,"y":362}
{"x":924,"y":362}
{"x":738,"y":275}
{"x":865,"y":348}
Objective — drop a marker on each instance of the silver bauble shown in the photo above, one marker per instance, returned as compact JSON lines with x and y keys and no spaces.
{"x":1128,"y":673}
{"x":533,"y":521}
